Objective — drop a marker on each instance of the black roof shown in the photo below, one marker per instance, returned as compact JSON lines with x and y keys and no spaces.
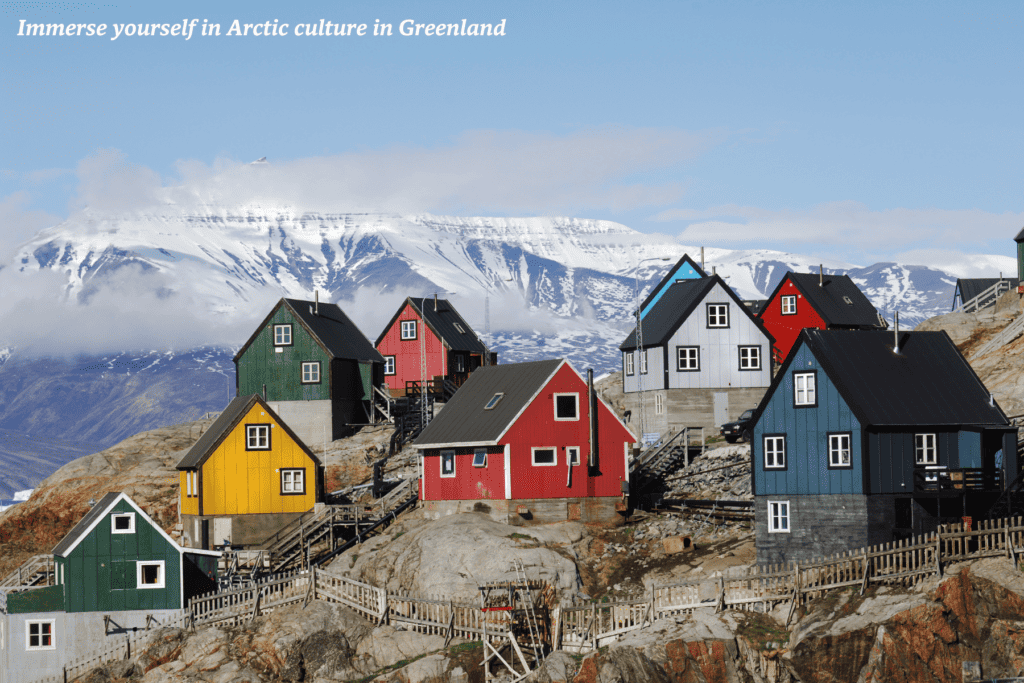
{"x":836,"y":299}
{"x":675,"y":306}
{"x":222,"y":426}
{"x":85,"y":523}
{"x":928,"y":382}
{"x":1019,"y":237}
{"x":329,"y":326}
{"x":442,"y":318}
{"x":464,"y":420}
{"x":972,"y":287}
{"x":668,"y":280}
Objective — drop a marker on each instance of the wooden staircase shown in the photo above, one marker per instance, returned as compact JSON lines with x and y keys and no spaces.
{"x":648,"y":471}
{"x":38,"y":570}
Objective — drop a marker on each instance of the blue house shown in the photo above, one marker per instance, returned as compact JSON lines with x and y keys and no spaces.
{"x":861,"y":440}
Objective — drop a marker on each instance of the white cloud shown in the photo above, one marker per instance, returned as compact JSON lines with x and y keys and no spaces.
{"x":19,"y":223}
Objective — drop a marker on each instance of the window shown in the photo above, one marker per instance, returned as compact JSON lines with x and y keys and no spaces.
{"x":150,"y":574}
{"x":750,"y":358}
{"x":629,"y":362}
{"x":459,"y":328}
{"x":293,"y":482}
{"x":789,"y":305}
{"x":494,"y":400}
{"x":311,"y":372}
{"x":123,"y":523}
{"x":447,"y":463}
{"x":803,"y":389}
{"x":283,"y":335}
{"x":778,"y":516}
{"x":659,"y":404}
{"x":543,"y":456}
{"x":718,"y":315}
{"x":567,"y":406}
{"x":573,"y":454}
{"x":643,"y":361}
{"x":839,"y":450}
{"x":848,"y":300}
{"x":39,"y":635}
{"x":459,"y":362}
{"x":257,"y":437}
{"x":389,"y":365}
{"x":775,"y":452}
{"x":925,"y":452}
{"x":688,"y":358}
{"x":408,"y":329}
{"x":480,"y":457}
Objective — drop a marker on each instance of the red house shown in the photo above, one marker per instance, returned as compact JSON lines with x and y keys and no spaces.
{"x":823,"y":302}
{"x":525,"y":443}
{"x":431,"y":330}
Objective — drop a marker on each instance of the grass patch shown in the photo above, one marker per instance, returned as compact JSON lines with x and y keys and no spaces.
{"x":760,"y":629}
{"x":519,"y":537}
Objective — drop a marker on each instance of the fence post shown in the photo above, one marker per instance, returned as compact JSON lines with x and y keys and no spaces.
{"x":938,"y":551}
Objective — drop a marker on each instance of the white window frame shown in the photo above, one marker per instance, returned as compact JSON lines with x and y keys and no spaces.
{"x":630,"y":366}
{"x":778,"y":512}
{"x":408,"y":329}
{"x":689,"y":363}
{"x":572,"y":454}
{"x":161,"y":574}
{"x":533,"y":456}
{"x":788,"y":304}
{"x":926,"y":449}
{"x":389,"y":362}
{"x":252,"y":435}
{"x":38,"y":622}
{"x":494,"y":400}
{"x":835,"y":450}
{"x":131,"y":523}
{"x":479,"y":457}
{"x":659,"y":404}
{"x":459,"y":328}
{"x":458,"y":362}
{"x":718,"y":316}
{"x":753,"y":360}
{"x":576,"y":397}
{"x":283,"y":334}
{"x":778,"y":452}
{"x":294,"y":485}
{"x":311,"y":365}
{"x":450,"y":455}
{"x":643,"y":360}
{"x":806,"y":395}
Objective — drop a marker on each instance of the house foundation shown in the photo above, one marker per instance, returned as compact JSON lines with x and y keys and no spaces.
{"x":601,"y":511}
{"x":672,"y":409}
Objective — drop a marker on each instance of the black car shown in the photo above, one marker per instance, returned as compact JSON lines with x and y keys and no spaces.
{"x":740,"y":429}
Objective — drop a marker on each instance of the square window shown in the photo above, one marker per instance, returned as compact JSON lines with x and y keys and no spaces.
{"x":480,"y":457}
{"x":839,"y":450}
{"x":778,"y":516}
{"x":573,"y":453}
{"x":39,"y":635}
{"x":643,"y":361}
{"x":628,"y":356}
{"x":293,"y":482}
{"x":408,"y":329}
{"x":804,"y":393}
{"x":750,"y":358}
{"x":122,"y":523}
{"x":543,"y":456}
{"x":311,"y":372}
{"x":150,"y":574}
{"x":718,"y":315}
{"x":389,"y":365}
{"x":925,"y":450}
{"x":257,"y":437}
{"x":775,"y":452}
{"x":283,"y":335}
{"x":447,"y":463}
{"x":789,"y":305}
{"x":567,"y":407}
{"x":494,"y":400}
{"x":688,"y":358}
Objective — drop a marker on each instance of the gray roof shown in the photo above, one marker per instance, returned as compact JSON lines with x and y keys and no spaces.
{"x":829,"y":299}
{"x":338,"y":335}
{"x":464,"y":420}
{"x":222,"y":426}
{"x":86,"y":523}
{"x":441,"y":317}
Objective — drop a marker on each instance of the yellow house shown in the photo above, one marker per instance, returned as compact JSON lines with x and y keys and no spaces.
{"x":246,"y":477}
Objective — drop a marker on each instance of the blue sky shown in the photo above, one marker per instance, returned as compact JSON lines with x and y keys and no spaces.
{"x":865,"y":132}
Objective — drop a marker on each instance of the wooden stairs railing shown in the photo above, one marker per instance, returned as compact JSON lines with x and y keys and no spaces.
{"x":1008,"y":334}
{"x":985,"y":298}
{"x":37,"y":570}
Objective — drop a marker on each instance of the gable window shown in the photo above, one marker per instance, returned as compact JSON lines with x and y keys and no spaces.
{"x":567,"y":407}
{"x":688,"y":358}
{"x":293,"y":482}
{"x":718,"y":315}
{"x":39,"y":634}
{"x":283,"y":335}
{"x":122,"y":523}
{"x":789,"y":304}
{"x":925,"y":450}
{"x":543,"y":456}
{"x":750,"y":358}
{"x":311,"y":372}
{"x":408,"y":329}
{"x":775,"y":452}
{"x":447,"y":463}
{"x":573,"y":454}
{"x":778,"y":516}
{"x":389,"y":365}
{"x":257,"y":437}
{"x":150,"y":574}
{"x":459,"y":328}
{"x":480,"y":457}
{"x":628,"y":356}
{"x":804,"y":390}
{"x":839,"y":450}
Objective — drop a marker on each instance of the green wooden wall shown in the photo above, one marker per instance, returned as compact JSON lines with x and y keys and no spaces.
{"x":282,"y":372}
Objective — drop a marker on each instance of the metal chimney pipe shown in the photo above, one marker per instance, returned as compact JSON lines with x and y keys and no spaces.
{"x":821,"y":276}
{"x":435,"y":302}
{"x":896,"y":332}
{"x":702,"y":258}
{"x":316,"y":298}
{"x":591,"y":459}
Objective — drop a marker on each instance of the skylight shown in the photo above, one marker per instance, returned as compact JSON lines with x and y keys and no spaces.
{"x":848,"y":300}
{"x":494,"y":400}
{"x":459,"y":328}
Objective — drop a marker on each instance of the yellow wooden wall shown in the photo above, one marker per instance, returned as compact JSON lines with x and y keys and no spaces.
{"x":238,"y":482}
{"x":186,"y":505}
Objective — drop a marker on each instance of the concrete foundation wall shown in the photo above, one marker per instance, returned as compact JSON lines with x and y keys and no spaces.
{"x":688,"y":408}
{"x":600,"y":511}
{"x":249,"y":531}
{"x":312,"y":421}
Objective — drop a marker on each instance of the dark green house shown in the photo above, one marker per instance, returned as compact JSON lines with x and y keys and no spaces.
{"x":313,"y":366}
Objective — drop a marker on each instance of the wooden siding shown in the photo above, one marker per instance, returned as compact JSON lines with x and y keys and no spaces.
{"x":235,"y":481}
{"x":806,"y":430}
{"x":891,"y":457}
{"x":969,"y":449}
{"x":88,"y":569}
{"x":187,"y":505}
{"x":282,"y":372}
{"x":407,"y":352}
{"x":469,"y":483}
{"x":786,"y":328}
{"x":683,"y":272}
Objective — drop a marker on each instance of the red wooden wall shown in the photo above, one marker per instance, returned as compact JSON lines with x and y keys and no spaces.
{"x":407,"y":352}
{"x":786,"y":328}
{"x":469,"y":483}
